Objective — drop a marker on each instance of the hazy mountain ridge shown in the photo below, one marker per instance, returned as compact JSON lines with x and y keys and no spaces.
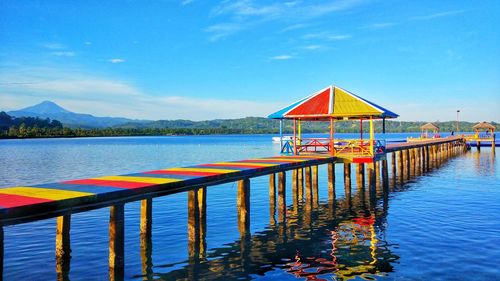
{"x":48,"y":109}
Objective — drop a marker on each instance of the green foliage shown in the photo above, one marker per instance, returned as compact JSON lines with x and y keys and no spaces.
{"x":29,"y":127}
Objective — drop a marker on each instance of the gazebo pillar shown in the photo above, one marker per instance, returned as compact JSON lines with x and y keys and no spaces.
{"x":371,"y":136}
{"x":300,"y":132}
{"x":281,"y":134}
{"x":294,"y":136}
{"x":332,"y":148}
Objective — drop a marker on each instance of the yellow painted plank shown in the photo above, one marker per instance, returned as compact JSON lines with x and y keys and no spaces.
{"x":44,"y":193}
{"x":248,"y":164}
{"x":139,"y":179}
{"x":206,"y":170}
{"x":288,"y":159}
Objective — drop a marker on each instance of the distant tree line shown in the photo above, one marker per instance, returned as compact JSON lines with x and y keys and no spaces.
{"x":30,"y":127}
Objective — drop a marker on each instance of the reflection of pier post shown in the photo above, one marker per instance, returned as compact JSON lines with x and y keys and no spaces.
{"x":63,"y":248}
{"x":331,"y":184}
{"x":377,"y":172}
{"x":272,"y":198}
{"x":315,"y":191}
{"x":146,"y":257}
{"x":116,"y":242}
{"x":281,"y":196}
{"x":295,"y":190}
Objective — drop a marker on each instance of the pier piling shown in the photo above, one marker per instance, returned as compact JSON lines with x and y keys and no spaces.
{"x":116,"y":242}
{"x":63,"y":246}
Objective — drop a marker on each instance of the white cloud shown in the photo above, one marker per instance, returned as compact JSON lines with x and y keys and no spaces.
{"x":116,"y":60}
{"x":63,"y":54}
{"x":246,"y":14}
{"x":438,"y":15}
{"x":220,"y":31}
{"x":312,"y":47}
{"x":111,"y":97}
{"x":87,"y":43}
{"x":282,"y":57}
{"x":381,"y":25}
{"x":186,"y":2}
{"x":53,"y":46}
{"x":327,"y":36}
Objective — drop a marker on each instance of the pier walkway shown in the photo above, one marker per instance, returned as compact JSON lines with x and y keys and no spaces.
{"x":22,"y":204}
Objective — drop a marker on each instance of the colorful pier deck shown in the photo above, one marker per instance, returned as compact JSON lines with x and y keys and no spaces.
{"x":27,"y":203}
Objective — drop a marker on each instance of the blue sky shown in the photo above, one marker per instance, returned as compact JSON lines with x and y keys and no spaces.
{"x":195,"y":59}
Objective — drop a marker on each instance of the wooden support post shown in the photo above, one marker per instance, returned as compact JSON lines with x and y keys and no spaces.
{"x":202,"y":208}
{"x":393,"y":164}
{"x":408,"y":163}
{"x":360,"y":175}
{"x":193,"y":224}
{"x":301,"y":184}
{"x":281,"y":196}
{"x":63,"y":247}
{"x":116,"y":242}
{"x":401,"y":164}
{"x":146,"y":217}
{"x":315,"y":191}
{"x":385,"y":174}
{"x":377,"y":172}
{"x":272,"y":198}
{"x":331,"y":183}
{"x":272,"y":189}
{"x":478,"y":145}
{"x":244,"y":207}
{"x":493,"y":143}
{"x":347,"y":178}
{"x":412,"y":160}
{"x":371,"y":175}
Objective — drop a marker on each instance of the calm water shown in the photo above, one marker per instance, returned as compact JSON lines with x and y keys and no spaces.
{"x":443,"y":225}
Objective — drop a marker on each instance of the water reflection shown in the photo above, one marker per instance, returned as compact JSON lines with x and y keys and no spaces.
{"x":337,"y":240}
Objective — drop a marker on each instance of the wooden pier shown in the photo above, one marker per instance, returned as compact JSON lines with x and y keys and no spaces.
{"x":24,"y":204}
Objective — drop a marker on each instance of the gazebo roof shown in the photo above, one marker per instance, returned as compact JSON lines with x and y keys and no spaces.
{"x":429,"y":126}
{"x":332,"y":102}
{"x":483,"y":125}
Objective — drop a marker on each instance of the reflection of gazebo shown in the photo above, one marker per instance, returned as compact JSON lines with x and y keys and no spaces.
{"x":490,"y":129}
{"x":331,"y":104}
{"x":429,"y":127}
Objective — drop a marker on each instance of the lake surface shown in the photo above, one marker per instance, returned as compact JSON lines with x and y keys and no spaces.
{"x":443,"y":225}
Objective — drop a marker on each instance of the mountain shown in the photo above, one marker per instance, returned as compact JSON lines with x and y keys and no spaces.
{"x":48,"y":109}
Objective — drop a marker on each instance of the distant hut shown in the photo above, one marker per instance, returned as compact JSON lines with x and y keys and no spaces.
{"x":429,"y":127}
{"x":490,"y":129}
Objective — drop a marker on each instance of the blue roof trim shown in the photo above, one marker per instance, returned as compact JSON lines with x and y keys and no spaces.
{"x":280,"y":113}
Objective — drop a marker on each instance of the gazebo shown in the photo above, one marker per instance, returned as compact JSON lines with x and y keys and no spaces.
{"x":332,"y":104}
{"x":490,"y":129}
{"x":429,"y":127}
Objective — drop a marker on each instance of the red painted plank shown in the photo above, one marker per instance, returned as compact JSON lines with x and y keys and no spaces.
{"x":120,"y":184}
{"x":235,"y":165}
{"x":11,"y":201}
{"x":182,"y":173}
